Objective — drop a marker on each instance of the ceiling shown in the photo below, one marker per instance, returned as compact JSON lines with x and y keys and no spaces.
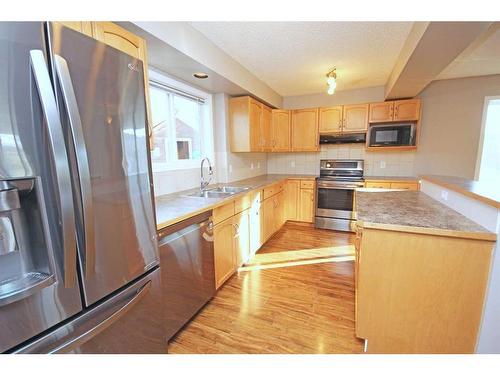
{"x":294,"y":57}
{"x":481,"y":58}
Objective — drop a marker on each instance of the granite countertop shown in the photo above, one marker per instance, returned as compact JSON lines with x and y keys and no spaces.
{"x":172,"y":208}
{"x":392,"y":178}
{"x":416,"y":212}
{"x":487,"y":191}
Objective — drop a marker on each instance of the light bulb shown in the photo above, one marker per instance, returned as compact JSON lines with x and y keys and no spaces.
{"x":331,"y":90}
{"x":331,"y":81}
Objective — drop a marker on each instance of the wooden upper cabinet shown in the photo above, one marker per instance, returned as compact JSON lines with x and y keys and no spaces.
{"x":305,"y":130}
{"x":281,"y":129}
{"x":245,"y":132}
{"x":381,"y":112}
{"x":330,"y":119}
{"x":119,"y":38}
{"x":407,"y":110}
{"x":84,"y":27}
{"x":396,"y":110}
{"x":355,"y":118}
{"x":266,"y":129}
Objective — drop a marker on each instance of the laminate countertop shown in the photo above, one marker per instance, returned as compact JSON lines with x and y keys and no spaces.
{"x":392,"y":178}
{"x":414,"y":211}
{"x":487,"y":190}
{"x":175,"y":207}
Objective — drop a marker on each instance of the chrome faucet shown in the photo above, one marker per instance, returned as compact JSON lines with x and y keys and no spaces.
{"x":203,"y":183}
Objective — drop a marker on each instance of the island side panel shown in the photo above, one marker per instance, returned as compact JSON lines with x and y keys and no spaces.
{"x":421,"y":293}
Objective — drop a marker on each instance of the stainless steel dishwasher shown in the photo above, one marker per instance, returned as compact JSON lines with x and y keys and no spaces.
{"x":187,"y":269}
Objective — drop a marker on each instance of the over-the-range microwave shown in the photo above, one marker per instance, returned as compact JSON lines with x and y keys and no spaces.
{"x":391,"y":135}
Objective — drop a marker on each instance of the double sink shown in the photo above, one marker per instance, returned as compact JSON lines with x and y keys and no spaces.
{"x":218,"y":192}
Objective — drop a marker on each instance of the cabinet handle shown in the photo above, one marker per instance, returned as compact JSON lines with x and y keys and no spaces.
{"x":236,"y":230}
{"x":396,"y":112}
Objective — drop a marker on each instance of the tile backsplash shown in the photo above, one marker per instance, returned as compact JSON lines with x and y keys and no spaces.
{"x":376,"y":163}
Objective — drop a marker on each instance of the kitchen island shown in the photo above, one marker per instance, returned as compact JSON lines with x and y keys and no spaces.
{"x":421,"y":274}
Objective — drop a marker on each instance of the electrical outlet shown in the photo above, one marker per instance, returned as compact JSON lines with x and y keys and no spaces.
{"x":251,"y":166}
{"x":444,"y":195}
{"x":292,"y":164}
{"x":258,"y":165}
{"x":382,"y":164}
{"x":230,"y":168}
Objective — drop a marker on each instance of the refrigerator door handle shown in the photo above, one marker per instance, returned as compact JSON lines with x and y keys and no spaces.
{"x":61,"y":167}
{"x":77,"y":341}
{"x":69,"y":99}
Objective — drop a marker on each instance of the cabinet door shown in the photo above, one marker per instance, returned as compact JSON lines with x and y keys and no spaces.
{"x":223,"y":251}
{"x":121,"y":39}
{"x":355,"y":118}
{"x":256,"y":235}
{"x":306,"y":205}
{"x":305,"y":132}
{"x":268,"y":224}
{"x":255,"y":118}
{"x":281,"y":210}
{"x":84,"y":27}
{"x":292,"y":189}
{"x":381,"y":112}
{"x":281,"y":130}
{"x":266,"y":129}
{"x":242,"y":238}
{"x":357,"y":254}
{"x":330,"y":119}
{"x":407,"y":110}
{"x":379,"y":185}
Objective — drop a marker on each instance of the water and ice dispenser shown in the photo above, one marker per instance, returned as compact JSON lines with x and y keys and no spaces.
{"x":26,"y":259}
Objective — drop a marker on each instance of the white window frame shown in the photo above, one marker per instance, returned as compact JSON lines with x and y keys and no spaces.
{"x":479,"y":156}
{"x":207,"y":126}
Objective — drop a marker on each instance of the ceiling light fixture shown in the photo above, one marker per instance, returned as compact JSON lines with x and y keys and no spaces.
{"x":331,"y":81}
{"x":200,"y":75}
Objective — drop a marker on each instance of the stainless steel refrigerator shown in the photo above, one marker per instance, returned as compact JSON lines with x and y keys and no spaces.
{"x":78,"y":248}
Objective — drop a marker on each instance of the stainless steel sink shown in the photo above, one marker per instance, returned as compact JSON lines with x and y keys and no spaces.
{"x":229,"y":189}
{"x":210,"y":194}
{"x":219,"y":192}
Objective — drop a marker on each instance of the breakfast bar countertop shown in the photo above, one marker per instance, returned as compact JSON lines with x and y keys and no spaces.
{"x":175,"y":207}
{"x":414,"y":211}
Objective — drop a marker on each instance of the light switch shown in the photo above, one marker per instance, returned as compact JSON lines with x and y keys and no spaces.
{"x":382,"y":164}
{"x":230,"y":168}
{"x":251,"y":165}
{"x":258,"y":165}
{"x":292,"y":163}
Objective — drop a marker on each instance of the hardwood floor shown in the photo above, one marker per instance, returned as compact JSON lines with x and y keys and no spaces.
{"x":295,"y":296}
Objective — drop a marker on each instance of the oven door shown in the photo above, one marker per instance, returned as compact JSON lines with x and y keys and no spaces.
{"x":335,"y":201}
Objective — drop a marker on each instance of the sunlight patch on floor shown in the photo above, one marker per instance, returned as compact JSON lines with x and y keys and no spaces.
{"x":301,"y":255}
{"x":296,"y":263}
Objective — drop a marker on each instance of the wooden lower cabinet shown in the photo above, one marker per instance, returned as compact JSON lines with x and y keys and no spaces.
{"x":241,"y":223}
{"x":256,"y":236}
{"x":224,"y":257}
{"x":420,"y":292}
{"x":292,"y":191}
{"x":305,"y":211}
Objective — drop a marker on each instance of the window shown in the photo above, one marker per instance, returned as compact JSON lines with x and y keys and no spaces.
{"x":489,"y":150}
{"x":182,"y":124}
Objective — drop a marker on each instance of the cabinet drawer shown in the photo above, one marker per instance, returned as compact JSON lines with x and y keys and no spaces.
{"x":269,"y":191}
{"x":306,"y":184}
{"x":382,"y":185}
{"x":223,"y":212}
{"x":243,"y":203}
{"x":404,"y":185}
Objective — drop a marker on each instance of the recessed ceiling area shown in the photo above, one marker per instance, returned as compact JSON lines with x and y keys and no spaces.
{"x":481,"y":58}
{"x":294,"y":57}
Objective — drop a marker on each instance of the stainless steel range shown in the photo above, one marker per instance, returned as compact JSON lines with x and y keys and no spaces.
{"x":335,"y":193}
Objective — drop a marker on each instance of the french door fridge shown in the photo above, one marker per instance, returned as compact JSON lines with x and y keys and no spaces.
{"x":78,"y":249}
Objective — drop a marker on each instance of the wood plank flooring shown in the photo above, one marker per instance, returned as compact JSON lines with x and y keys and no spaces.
{"x":295,"y":296}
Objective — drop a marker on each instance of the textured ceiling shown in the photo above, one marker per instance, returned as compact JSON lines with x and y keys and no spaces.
{"x":294,"y":57}
{"x":481,"y":58}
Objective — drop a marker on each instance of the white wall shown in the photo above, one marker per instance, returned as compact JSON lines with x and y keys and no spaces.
{"x":488,"y":217}
{"x":451,"y":125}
